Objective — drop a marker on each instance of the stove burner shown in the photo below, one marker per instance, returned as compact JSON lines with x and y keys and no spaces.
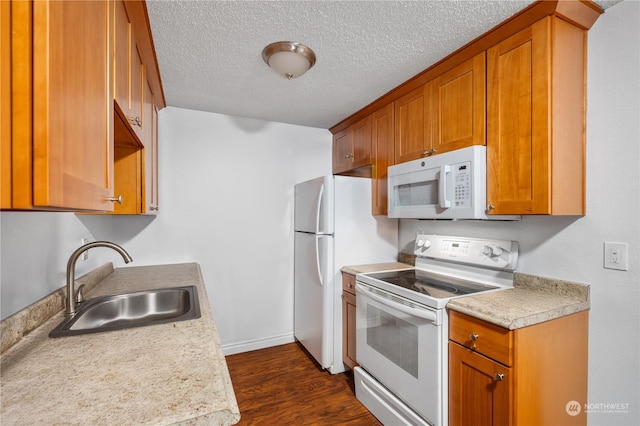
{"x":436,"y":286}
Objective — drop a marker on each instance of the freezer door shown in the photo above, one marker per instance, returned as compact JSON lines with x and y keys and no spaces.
{"x":314,"y":206}
{"x":313,"y":290}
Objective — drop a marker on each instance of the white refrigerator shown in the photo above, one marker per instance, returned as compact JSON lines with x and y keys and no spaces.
{"x":333,"y":228}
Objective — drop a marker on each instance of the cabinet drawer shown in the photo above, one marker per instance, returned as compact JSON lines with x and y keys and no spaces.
{"x":488,"y":339}
{"x":349,"y":283}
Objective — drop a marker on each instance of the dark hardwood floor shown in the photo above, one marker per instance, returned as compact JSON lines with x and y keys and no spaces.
{"x":282,"y":385}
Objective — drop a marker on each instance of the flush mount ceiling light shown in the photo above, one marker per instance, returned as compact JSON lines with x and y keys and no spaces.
{"x":289,"y":59}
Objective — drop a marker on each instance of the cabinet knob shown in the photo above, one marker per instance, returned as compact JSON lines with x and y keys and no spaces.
{"x":490,"y":207}
{"x":499,"y":377}
{"x":425,"y":152}
{"x":348,"y":156}
{"x":137,"y":121}
{"x":433,"y":151}
{"x":474,"y":336}
{"x":117,"y":199}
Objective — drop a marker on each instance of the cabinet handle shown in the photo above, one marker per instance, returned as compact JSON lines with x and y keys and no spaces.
{"x":348,"y":156}
{"x":499,"y":377}
{"x":474,"y":336}
{"x":425,"y":152}
{"x":433,"y":151}
{"x":490,"y":207}
{"x":117,"y":199}
{"x":135,"y":121}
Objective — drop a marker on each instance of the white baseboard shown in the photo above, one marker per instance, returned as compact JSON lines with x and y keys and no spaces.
{"x":252,"y":345}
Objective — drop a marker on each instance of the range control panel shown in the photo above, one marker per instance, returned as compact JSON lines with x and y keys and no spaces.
{"x":498,"y":254}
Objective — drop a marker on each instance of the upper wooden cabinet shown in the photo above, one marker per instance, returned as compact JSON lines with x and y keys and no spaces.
{"x":520,"y":89}
{"x":536,"y":116}
{"x":352,"y":147}
{"x":382,"y":130}
{"x":128,"y":85}
{"x":412,"y":127}
{"x":446,"y":113}
{"x":458,"y":106}
{"x":61,"y":144}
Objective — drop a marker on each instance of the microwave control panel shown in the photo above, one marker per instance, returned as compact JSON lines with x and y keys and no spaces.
{"x":462,"y":185}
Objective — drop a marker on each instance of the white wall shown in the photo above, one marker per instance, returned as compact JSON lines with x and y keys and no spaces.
{"x":226,"y":201}
{"x":572,"y":248}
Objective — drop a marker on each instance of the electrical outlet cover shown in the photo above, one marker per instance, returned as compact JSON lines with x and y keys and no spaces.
{"x":616,"y":256}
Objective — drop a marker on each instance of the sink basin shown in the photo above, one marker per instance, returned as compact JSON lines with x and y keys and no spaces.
{"x":117,"y":312}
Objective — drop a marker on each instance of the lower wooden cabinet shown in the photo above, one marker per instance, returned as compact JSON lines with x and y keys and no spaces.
{"x":535,"y":375}
{"x":349,"y":320}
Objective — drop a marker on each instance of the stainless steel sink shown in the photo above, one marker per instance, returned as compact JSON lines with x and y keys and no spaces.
{"x":129,"y":310}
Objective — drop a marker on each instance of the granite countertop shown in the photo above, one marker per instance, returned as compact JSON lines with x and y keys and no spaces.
{"x":532,"y":300}
{"x":163,"y":374}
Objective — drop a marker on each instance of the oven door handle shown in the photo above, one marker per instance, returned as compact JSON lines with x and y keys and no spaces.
{"x":416,"y":312}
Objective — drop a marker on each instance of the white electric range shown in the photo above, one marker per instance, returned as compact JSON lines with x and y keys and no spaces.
{"x":402,"y":325}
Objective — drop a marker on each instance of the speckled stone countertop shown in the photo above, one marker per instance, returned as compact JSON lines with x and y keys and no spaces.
{"x":532,"y":300}
{"x":163,"y":374}
{"x":374,"y":267}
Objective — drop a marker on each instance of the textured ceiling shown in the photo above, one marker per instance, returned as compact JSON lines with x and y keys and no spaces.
{"x":209,"y":52}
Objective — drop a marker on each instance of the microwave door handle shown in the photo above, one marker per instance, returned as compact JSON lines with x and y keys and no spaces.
{"x":421,"y":313}
{"x":442,"y":186}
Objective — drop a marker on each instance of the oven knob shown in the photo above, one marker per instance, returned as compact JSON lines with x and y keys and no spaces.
{"x":494,"y":251}
{"x":423,"y":244}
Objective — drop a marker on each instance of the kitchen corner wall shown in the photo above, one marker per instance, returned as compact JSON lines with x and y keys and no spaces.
{"x":226,"y":202}
{"x":572,"y":247}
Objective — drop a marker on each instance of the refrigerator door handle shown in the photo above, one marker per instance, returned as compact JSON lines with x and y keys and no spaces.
{"x":319,"y":208}
{"x":318,"y":266}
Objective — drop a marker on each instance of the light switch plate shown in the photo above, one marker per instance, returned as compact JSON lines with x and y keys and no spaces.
{"x":616,"y":256}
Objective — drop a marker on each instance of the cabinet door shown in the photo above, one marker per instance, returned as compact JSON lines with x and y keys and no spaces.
{"x":342,"y":151}
{"x":361,"y":140}
{"x":382,"y":153}
{"x":129,"y":77}
{"x":150,"y":158}
{"x":72,"y":106}
{"x":459,"y":106}
{"x":480,"y":389}
{"x":518,"y":122}
{"x":5,"y":103}
{"x":412,"y":126}
{"x":349,"y":329}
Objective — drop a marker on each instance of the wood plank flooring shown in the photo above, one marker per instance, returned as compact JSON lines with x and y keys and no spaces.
{"x":283,"y":385}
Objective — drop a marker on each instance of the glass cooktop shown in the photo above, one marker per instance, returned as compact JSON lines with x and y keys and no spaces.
{"x":436,"y":286}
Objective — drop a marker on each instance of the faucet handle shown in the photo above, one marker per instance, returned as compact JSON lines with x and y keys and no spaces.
{"x":79,"y":295}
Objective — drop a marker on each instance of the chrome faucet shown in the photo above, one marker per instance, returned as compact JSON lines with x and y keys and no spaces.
{"x":72,"y":298}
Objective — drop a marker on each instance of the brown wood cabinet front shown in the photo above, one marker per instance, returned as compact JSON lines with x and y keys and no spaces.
{"x":61,"y":119}
{"x":382,"y":156}
{"x":349,"y":320}
{"x":412,"y":126}
{"x":129,"y":78}
{"x":352,"y":148}
{"x":445,"y":114}
{"x":480,"y":389}
{"x":517,"y":377}
{"x":459,"y":106}
{"x":535,"y":119}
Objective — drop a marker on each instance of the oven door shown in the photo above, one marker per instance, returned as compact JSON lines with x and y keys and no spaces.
{"x":401,"y":344}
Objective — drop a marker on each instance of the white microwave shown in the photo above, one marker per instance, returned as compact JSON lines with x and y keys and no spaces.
{"x":451,"y":185}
